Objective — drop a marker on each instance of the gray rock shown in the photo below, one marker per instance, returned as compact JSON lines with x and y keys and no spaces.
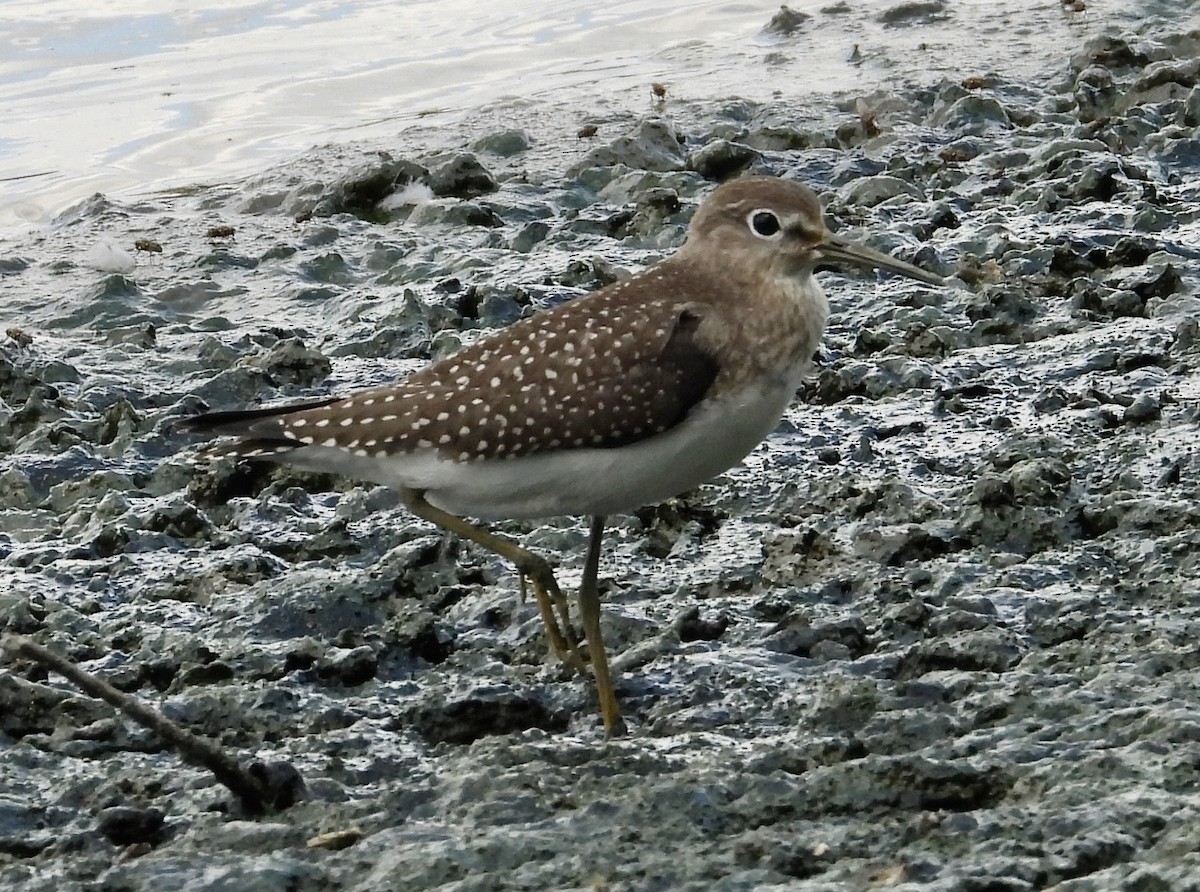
{"x":462,"y":176}
{"x":721,"y":159}
{"x":651,"y":145}
{"x":360,"y":191}
{"x":504,"y":143}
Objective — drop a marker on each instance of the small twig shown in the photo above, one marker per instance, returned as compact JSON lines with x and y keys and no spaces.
{"x":260,"y":788}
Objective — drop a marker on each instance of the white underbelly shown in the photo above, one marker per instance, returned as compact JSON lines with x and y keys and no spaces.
{"x":601,"y":481}
{"x":576,"y":481}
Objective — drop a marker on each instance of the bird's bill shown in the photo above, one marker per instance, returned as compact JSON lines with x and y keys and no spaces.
{"x":840,"y":251}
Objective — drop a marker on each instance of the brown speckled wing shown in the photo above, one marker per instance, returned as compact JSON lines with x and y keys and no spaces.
{"x":601,"y":371}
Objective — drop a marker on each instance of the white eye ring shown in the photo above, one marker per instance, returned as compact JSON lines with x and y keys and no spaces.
{"x":765,"y":223}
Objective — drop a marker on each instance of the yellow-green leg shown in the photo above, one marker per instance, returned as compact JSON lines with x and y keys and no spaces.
{"x":589,"y":609}
{"x":545,"y":586}
{"x":550,"y":599}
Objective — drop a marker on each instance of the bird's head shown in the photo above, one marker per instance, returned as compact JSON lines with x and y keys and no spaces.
{"x":777,"y":224}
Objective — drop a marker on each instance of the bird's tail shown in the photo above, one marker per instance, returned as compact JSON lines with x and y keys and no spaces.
{"x":257,"y":436}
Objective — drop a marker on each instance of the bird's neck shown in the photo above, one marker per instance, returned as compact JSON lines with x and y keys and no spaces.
{"x":762,"y":325}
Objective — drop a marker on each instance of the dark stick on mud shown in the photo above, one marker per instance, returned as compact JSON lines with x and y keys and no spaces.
{"x":260,"y":787}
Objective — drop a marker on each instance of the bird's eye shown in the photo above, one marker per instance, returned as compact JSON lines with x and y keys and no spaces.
{"x":764,"y":223}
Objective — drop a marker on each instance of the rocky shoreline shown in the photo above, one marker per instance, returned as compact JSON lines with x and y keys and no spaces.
{"x":939,"y":631}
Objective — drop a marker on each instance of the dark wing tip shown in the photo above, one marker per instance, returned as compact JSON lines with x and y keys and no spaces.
{"x":240,"y":422}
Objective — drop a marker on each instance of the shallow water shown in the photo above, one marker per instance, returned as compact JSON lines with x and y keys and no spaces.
{"x":126,"y":98}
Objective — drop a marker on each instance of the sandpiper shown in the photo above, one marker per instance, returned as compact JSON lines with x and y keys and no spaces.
{"x":615,"y":400}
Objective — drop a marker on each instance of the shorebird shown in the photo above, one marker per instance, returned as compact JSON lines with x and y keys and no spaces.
{"x":611,"y":401}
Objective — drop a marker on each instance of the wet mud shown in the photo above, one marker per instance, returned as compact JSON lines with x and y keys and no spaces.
{"x":939,"y":631}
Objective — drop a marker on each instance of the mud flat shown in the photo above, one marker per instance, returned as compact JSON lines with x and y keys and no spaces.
{"x":938,"y":632}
